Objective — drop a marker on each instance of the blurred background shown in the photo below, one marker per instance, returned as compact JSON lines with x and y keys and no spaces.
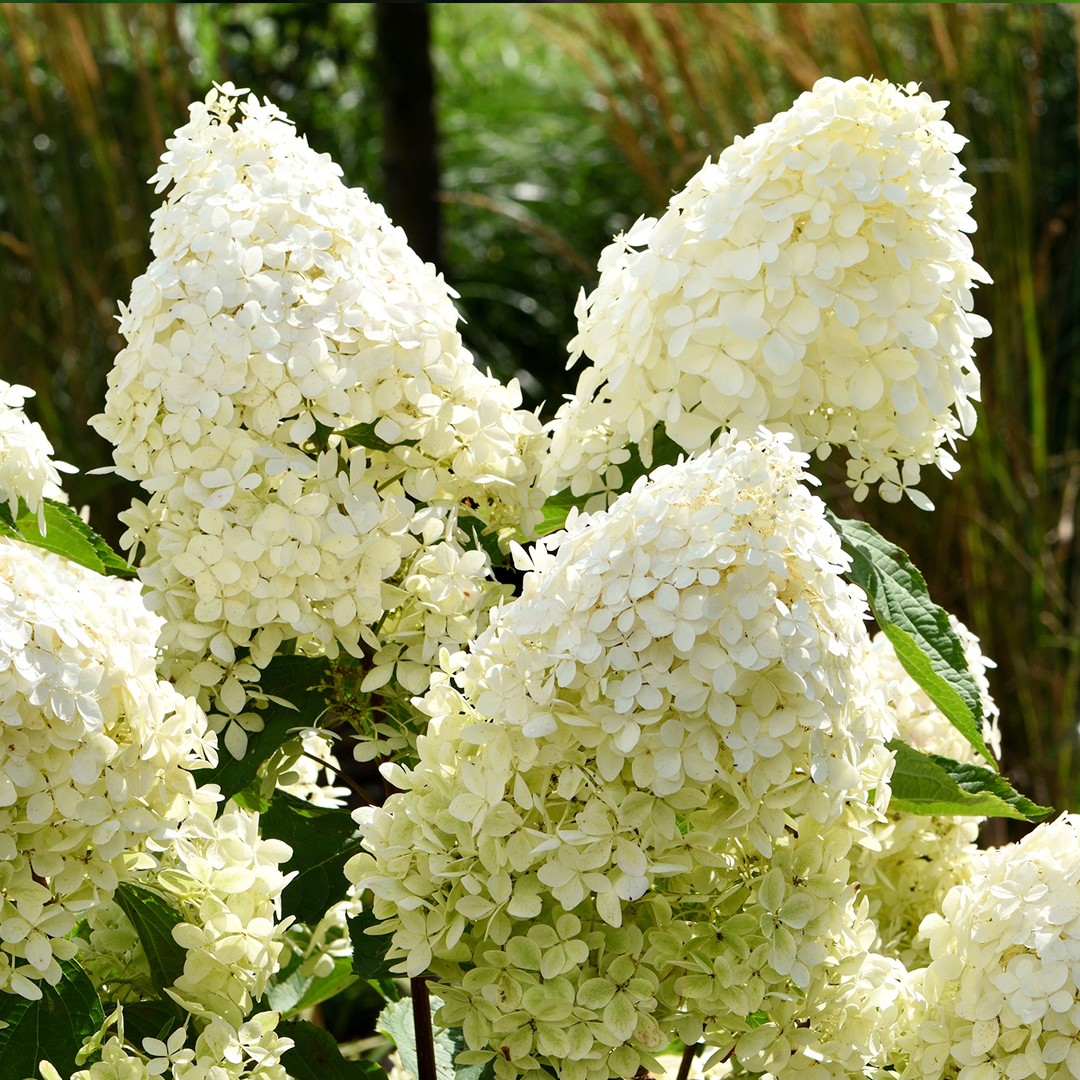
{"x":512,"y":141}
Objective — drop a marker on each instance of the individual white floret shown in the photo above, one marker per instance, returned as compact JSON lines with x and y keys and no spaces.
{"x":816,"y":278}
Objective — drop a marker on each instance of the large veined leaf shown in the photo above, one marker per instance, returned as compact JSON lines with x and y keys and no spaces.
{"x":53,"y":1028}
{"x":931,"y":784}
{"x":322,"y":840}
{"x":920,"y":632}
{"x":292,"y":679}
{"x":369,"y":950}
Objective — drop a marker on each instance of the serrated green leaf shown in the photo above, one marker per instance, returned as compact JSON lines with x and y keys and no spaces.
{"x":51,"y":1029}
{"x":67,"y":534}
{"x":369,"y":950}
{"x":292,"y":991}
{"x":323,"y":840}
{"x":315,"y":1056}
{"x":292,"y":679}
{"x":931,"y":784}
{"x":154,"y":920}
{"x":396,"y":1023}
{"x":926,"y":645}
{"x":364,"y":435}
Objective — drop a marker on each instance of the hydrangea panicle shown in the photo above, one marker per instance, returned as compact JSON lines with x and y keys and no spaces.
{"x":816,"y":278}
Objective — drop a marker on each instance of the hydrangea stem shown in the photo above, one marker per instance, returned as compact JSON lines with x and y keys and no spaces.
{"x":425,"y":1039}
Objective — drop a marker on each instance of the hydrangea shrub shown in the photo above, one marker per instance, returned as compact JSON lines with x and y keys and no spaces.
{"x":656,"y":798}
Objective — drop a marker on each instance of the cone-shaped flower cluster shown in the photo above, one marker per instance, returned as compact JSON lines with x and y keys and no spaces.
{"x":816,"y":278}
{"x":296,"y":399}
{"x":631,"y":816}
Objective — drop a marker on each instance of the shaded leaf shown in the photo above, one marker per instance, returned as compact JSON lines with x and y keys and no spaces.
{"x":292,"y":679}
{"x":51,"y":1029}
{"x":292,"y":991}
{"x":315,"y":1056}
{"x":926,"y":645}
{"x":154,"y":920}
{"x":364,"y":435}
{"x":931,"y":784}
{"x":369,"y":950}
{"x":323,"y":840}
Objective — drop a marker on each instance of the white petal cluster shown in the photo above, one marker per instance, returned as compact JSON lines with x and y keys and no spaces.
{"x":280,"y":310}
{"x":1001,"y":995}
{"x":221,"y":1051}
{"x":816,"y":278}
{"x":226,"y":881}
{"x":912,"y":860}
{"x":630,"y":820}
{"x":94,"y":752}
{"x":27,"y":468}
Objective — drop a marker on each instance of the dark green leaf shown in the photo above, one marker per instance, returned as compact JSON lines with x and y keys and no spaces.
{"x":665,"y":451}
{"x":155,"y":1019}
{"x":154,"y":920}
{"x":323,"y":841}
{"x":364,"y":435}
{"x":7,"y":523}
{"x":925,"y":642}
{"x":480,"y":539}
{"x":292,"y":679}
{"x":52,"y":1029}
{"x":315,"y":1056}
{"x":930,"y":784}
{"x":292,"y":991}
{"x":369,"y":950}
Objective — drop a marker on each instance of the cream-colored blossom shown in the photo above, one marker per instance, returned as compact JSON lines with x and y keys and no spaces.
{"x":909,"y":861}
{"x":816,"y":278}
{"x":632,"y":813}
{"x":95,"y":752}
{"x":27,"y":468}
{"x":296,"y":401}
{"x":1001,"y":995}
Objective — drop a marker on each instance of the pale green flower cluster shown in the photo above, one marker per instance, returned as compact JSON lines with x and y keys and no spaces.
{"x":909,"y":862}
{"x":816,"y":278}
{"x":296,"y":400}
{"x":634,"y":804}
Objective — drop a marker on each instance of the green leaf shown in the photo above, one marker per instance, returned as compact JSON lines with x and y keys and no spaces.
{"x":925,"y":642}
{"x":292,"y":679}
{"x":67,"y":534}
{"x":315,"y":1056}
{"x":292,"y":991}
{"x":153,"y":1019}
{"x":364,"y":435}
{"x":396,"y":1023}
{"x":322,"y":840}
{"x":154,"y":920}
{"x":931,"y":784}
{"x":556,"y":509}
{"x":369,"y":950}
{"x":481,"y":539}
{"x":665,"y":451}
{"x":7,"y":523}
{"x":52,"y":1029}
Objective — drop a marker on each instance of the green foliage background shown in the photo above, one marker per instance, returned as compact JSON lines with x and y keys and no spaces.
{"x":560,"y":124}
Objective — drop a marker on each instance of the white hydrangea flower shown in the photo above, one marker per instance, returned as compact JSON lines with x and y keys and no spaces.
{"x":634,"y":803}
{"x":816,"y":278}
{"x":307,"y":767}
{"x":226,"y":881}
{"x":27,"y":468}
{"x":94,"y":756}
{"x":1001,"y":995}
{"x":909,"y":862}
{"x":222,"y":1051}
{"x":282,"y":309}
